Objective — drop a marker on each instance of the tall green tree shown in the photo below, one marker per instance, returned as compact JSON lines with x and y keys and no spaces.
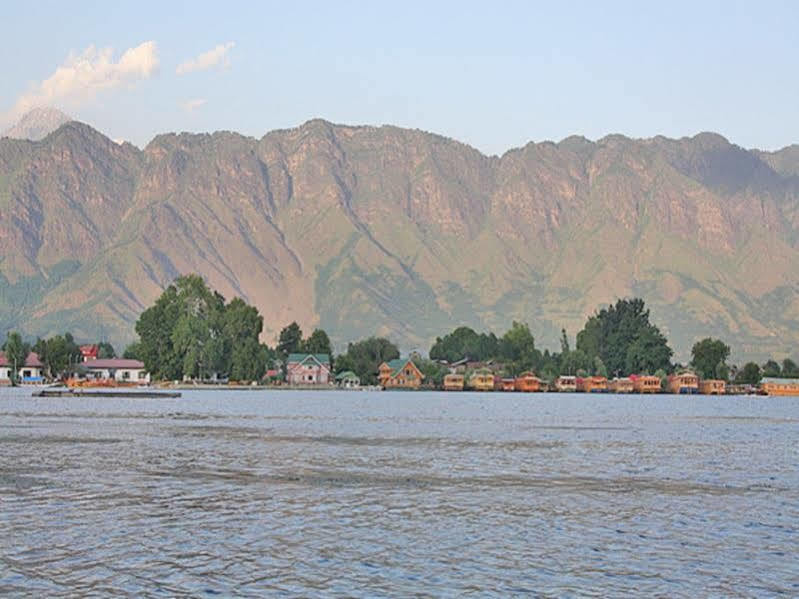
{"x":318,"y":343}
{"x":16,"y":351}
{"x":290,"y":340}
{"x":790,"y":369}
{"x":749,"y":375}
{"x":365,"y":357}
{"x":105,"y":350}
{"x":709,"y":357}
{"x":772,"y":368}
{"x":518,"y":349}
{"x":624,"y":338}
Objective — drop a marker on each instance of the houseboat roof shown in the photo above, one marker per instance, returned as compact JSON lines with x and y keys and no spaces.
{"x":113,"y":363}
{"x":779,"y":381}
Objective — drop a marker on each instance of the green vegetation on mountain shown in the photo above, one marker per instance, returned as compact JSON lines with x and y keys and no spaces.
{"x":399,"y":233}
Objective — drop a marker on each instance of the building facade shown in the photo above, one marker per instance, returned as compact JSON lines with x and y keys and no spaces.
{"x":400,"y":374}
{"x":121,"y":370}
{"x":308,"y":369}
{"x":30,"y":372}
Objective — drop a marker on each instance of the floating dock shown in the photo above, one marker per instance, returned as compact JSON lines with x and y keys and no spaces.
{"x":105,"y":393}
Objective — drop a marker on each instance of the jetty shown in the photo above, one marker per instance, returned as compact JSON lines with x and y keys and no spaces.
{"x":105,"y":393}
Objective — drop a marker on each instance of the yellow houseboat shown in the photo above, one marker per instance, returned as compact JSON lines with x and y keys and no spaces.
{"x":453,"y":382}
{"x":686,"y":383}
{"x":645,"y":383}
{"x":592,"y":384}
{"x":527,"y":382}
{"x":621,"y":385}
{"x":482,"y":380}
{"x":775,"y":386}
{"x":712,"y":387}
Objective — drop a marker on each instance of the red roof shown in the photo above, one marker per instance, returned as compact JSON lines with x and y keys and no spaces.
{"x":32,"y":361}
{"x":89,"y":352}
{"x":112,"y":363}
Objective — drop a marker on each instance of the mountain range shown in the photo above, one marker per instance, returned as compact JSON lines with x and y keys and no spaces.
{"x":403,"y":233}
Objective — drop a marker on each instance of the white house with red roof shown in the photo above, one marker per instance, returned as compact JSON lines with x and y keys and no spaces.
{"x":121,"y":370}
{"x":30,"y":372}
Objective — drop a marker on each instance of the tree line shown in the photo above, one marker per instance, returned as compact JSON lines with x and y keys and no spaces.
{"x":192,"y":332}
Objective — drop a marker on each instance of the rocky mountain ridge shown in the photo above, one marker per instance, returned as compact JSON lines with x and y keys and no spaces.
{"x":383,"y":230}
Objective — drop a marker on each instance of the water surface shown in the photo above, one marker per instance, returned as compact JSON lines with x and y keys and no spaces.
{"x":363,"y":494}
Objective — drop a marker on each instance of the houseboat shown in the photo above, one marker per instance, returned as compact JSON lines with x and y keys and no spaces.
{"x":566,"y":384}
{"x":775,"y":386}
{"x":712,"y":387}
{"x":508,"y":384}
{"x":686,"y":383}
{"x":646,"y":383}
{"x":527,"y":382}
{"x":482,"y":380}
{"x":592,"y":384}
{"x":621,"y":385}
{"x":453,"y":382}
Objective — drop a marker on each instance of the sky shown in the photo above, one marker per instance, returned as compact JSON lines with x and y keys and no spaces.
{"x":495,"y":75}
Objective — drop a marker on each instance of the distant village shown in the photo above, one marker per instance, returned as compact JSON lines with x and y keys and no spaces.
{"x":192,"y":337}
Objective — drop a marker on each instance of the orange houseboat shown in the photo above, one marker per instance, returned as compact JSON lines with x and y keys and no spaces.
{"x":712,"y":387}
{"x":775,"y":386}
{"x":566,"y":384}
{"x":527,"y":382}
{"x":592,"y":384}
{"x":645,"y":383}
{"x":686,"y":383}
{"x":621,"y":385}
{"x":453,"y":382}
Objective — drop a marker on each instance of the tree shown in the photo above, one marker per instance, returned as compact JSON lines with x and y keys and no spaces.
{"x":16,"y":351}
{"x":105,"y":350}
{"x":790,"y":369}
{"x":573,"y":362}
{"x":290,"y":340}
{"x":318,"y":343}
{"x":518,"y":349}
{"x":365,"y":357}
{"x":771,"y":368}
{"x":465,"y":343}
{"x":564,"y":342}
{"x":599,"y":367}
{"x":624,"y":338}
{"x":749,"y":375}
{"x":132,"y":351}
{"x":709,"y":356}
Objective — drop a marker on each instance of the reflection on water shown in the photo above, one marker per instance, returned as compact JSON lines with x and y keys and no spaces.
{"x":359,"y":494}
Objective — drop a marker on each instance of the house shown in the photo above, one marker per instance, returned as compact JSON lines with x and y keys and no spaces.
{"x":308,"y":369}
{"x":686,"y":383}
{"x":646,"y":383}
{"x":776,"y":386}
{"x":348,"y":380}
{"x":400,"y":374}
{"x":621,"y":385}
{"x":527,"y":382}
{"x":712,"y":387}
{"x":482,"y":380}
{"x":592,"y":384}
{"x":29,"y":372}
{"x":89,"y":352}
{"x":121,"y":370}
{"x":453,"y":382}
{"x":566,"y":384}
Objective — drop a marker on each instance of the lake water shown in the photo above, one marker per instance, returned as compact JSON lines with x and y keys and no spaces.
{"x":387,"y":494}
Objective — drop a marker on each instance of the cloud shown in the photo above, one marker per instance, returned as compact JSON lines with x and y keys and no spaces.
{"x":192,"y":105}
{"x":83,"y":75}
{"x":207,"y":60}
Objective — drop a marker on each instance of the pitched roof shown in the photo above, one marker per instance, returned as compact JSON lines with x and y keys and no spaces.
{"x":32,"y":361}
{"x":779,"y":381}
{"x":347,"y":374}
{"x":298,"y":358}
{"x":112,"y":363}
{"x":398,"y":364}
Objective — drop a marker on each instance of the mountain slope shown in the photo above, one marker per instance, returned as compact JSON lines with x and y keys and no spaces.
{"x":37,"y":124}
{"x":403,"y":233}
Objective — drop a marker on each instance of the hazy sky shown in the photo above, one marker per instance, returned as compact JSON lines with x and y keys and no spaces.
{"x":492,"y":74}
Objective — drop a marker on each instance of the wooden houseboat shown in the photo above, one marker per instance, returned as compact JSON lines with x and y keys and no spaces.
{"x":527,"y":382}
{"x":686,"y":383}
{"x":592,"y":384}
{"x":453,"y":382}
{"x":646,"y":383}
{"x":566,"y":384}
{"x":776,"y":386}
{"x":482,"y":380}
{"x":621,"y":385}
{"x":508,"y":384}
{"x":712,"y":387}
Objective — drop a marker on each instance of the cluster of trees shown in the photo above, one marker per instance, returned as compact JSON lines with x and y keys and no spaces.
{"x":60,"y":354}
{"x":191,"y":332}
{"x":291,"y":342}
{"x":618,"y":339}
